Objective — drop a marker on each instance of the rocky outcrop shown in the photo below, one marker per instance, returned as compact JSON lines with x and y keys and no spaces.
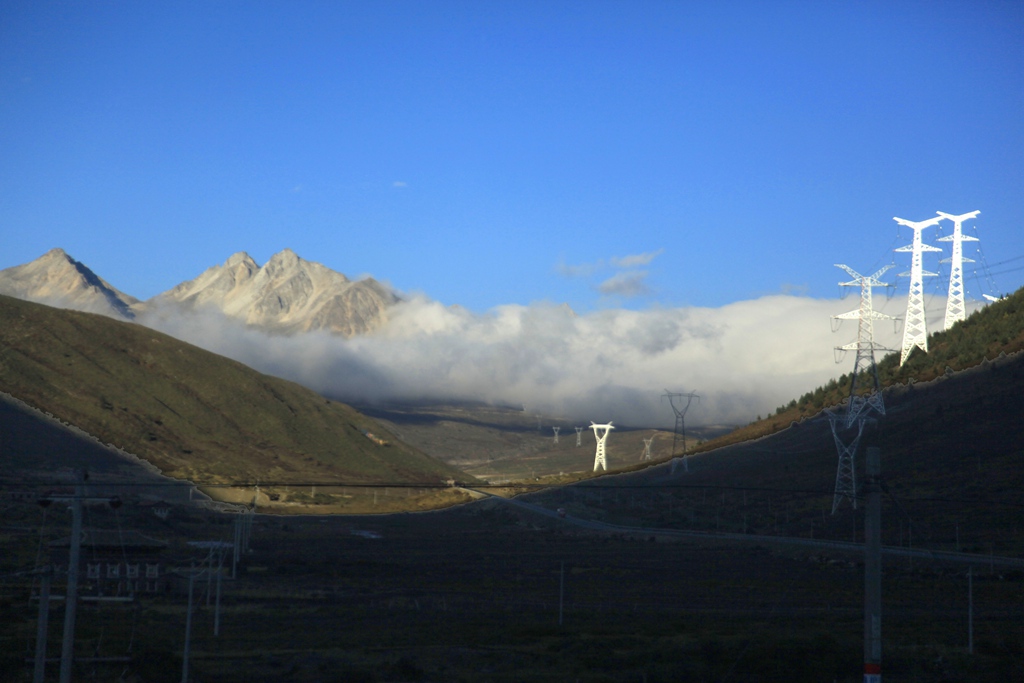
{"x":286,"y":295}
{"x":58,"y":280}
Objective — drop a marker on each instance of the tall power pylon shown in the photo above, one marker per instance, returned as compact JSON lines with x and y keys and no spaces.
{"x":865,"y":346}
{"x":679,"y":430}
{"x":956,"y":309}
{"x":601,"y":434}
{"x":915,"y":329}
{"x":859,"y":405}
{"x":846,"y":482}
{"x":579,"y":439}
{"x":556,"y":430}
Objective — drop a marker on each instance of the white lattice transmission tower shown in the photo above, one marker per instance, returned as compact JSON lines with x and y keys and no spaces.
{"x":860,"y":404}
{"x":956,"y":308}
{"x":865,"y":346}
{"x":601,"y":434}
{"x":915,"y":329}
{"x":556,"y":430}
{"x":579,"y":437}
{"x":647,"y":449}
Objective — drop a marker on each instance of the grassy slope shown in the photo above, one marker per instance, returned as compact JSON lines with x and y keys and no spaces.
{"x":190,"y":412}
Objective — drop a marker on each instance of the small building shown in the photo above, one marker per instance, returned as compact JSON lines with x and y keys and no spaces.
{"x":116,"y":563}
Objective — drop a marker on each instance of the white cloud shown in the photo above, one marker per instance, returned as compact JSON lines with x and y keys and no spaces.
{"x":617,"y":262}
{"x":743,"y":359}
{"x":636,"y":259}
{"x":582,"y":270}
{"x":399,"y":183}
{"x":795,"y":290}
{"x":628,"y":284}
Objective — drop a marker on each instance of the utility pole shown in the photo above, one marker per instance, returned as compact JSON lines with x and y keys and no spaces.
{"x":236,"y":546}
{"x":970,"y":610}
{"x":873,"y":568}
{"x":67,"y":652}
{"x":561,"y":592}
{"x":220,"y":572}
{"x":43,"y":624}
{"x":188,"y":626}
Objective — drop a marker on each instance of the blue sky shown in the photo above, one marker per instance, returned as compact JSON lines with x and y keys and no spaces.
{"x":605,"y":154}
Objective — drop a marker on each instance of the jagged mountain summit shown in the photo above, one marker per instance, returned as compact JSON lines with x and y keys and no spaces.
{"x":287,"y":294}
{"x":58,"y":280}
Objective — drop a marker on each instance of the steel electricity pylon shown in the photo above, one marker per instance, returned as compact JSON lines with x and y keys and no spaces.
{"x":601,"y":434}
{"x":956,"y":309}
{"x":647,"y":449}
{"x":915,"y":329}
{"x":860,"y":404}
{"x":679,"y":409}
{"x":865,"y":346}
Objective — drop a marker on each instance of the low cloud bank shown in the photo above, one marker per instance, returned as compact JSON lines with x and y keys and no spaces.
{"x":744,"y":359}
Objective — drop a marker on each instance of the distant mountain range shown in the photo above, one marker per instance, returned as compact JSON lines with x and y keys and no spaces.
{"x":286,"y":295}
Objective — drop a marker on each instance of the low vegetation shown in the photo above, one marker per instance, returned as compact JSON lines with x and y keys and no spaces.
{"x":193,"y":414}
{"x":997,"y":329}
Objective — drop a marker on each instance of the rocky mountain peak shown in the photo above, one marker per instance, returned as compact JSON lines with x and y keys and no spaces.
{"x":55,"y":254}
{"x":56,"y":279}
{"x":287,"y":294}
{"x":240,"y":258}
{"x":286,"y":258}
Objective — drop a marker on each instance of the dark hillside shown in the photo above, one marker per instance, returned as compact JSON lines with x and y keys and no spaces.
{"x":952,"y":452}
{"x":997,"y":329}
{"x":189,"y":412}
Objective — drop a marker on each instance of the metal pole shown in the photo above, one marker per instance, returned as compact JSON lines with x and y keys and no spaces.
{"x":188,"y":625}
{"x":873,"y":569}
{"x":234,"y":550}
{"x":561,"y":593}
{"x":970,"y":610}
{"x":67,"y":653}
{"x":216,"y":612}
{"x":42,"y":626}
{"x":209,"y":576}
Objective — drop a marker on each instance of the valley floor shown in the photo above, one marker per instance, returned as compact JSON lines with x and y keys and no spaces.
{"x":488,"y":593}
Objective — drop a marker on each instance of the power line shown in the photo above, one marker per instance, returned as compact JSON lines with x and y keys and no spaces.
{"x":999,"y":263}
{"x":583,"y":483}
